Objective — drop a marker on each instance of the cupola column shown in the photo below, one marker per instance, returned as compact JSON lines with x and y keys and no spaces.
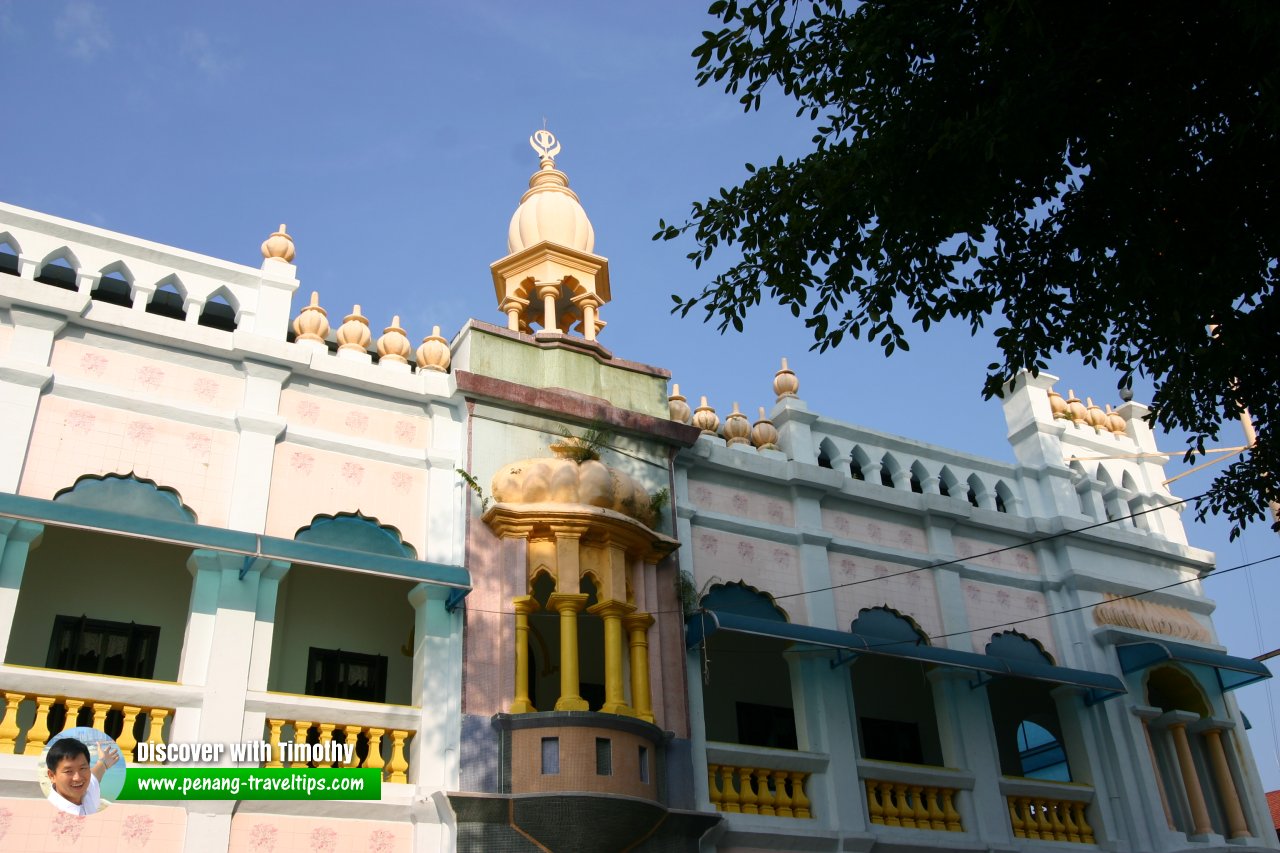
{"x":638,"y":625}
{"x":524,"y":605}
{"x":1190,"y":779}
{"x":569,"y":605}
{"x":549,"y":293}
{"x":615,"y":700}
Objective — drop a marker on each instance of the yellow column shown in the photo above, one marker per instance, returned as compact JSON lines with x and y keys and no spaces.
{"x":524,"y":605}
{"x":127,"y":741}
{"x":276,"y":726}
{"x":1227,"y":793}
{"x":1190,"y":780}
{"x":9,"y":729}
{"x":615,"y":700}
{"x":637,"y":625}
{"x":548,"y":293}
{"x":39,"y":732}
{"x":569,"y":605}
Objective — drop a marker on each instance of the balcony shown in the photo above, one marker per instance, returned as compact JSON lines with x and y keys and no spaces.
{"x":914,"y":796}
{"x":756,"y":780}
{"x":1048,"y":811}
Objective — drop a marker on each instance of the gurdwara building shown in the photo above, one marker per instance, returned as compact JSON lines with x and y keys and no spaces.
{"x":557,"y":607}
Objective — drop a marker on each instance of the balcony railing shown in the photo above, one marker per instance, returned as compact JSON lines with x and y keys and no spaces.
{"x":1048,"y":811}
{"x":914,"y":796}
{"x":381,"y":735}
{"x":38,"y":703}
{"x":761,"y":781}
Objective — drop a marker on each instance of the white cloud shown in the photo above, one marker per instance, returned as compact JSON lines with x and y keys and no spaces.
{"x":209,"y":58}
{"x":82,"y":30}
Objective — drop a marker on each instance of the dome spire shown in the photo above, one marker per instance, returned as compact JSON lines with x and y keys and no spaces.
{"x":550,"y":276}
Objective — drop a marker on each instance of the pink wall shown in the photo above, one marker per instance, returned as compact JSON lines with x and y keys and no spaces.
{"x":990,"y":605}
{"x":912,"y":594}
{"x":34,"y":826}
{"x":877,"y":531}
{"x":1021,"y":560}
{"x":730,"y":501}
{"x":72,"y":438}
{"x":146,"y":378}
{"x":344,"y":418}
{"x":262,"y":833}
{"x":768,"y":566}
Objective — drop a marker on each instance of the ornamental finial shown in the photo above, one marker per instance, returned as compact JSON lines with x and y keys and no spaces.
{"x":545,"y":143}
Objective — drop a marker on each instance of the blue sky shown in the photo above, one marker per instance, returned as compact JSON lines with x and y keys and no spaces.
{"x":393,"y":141}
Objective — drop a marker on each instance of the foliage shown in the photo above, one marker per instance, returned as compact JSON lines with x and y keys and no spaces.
{"x":1098,"y":179}
{"x":658,"y":502}
{"x":585,"y":447}
{"x":475,"y":487}
{"x":689,"y":592}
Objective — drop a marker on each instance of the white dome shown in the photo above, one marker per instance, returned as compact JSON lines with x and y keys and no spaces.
{"x":549,"y":210}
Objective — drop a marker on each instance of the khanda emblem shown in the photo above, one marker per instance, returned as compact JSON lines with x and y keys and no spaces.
{"x":545,"y":143}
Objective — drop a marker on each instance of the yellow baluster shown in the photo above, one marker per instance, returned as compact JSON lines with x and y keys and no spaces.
{"x":73,"y":707}
{"x":38,"y":734}
{"x":763,"y":794}
{"x":1015,"y":819}
{"x":374,"y":758}
{"x":300,"y":730}
{"x":906,"y":814}
{"x":1086,"y":831}
{"x":750,"y":804}
{"x":1059,"y":828}
{"x":949,"y":813}
{"x":127,"y":741}
{"x":326,"y":733}
{"x":100,"y":710}
{"x":873,"y":801}
{"x":922,"y":811}
{"x":274,"y":737}
{"x":1073,"y":831}
{"x":717,"y":799}
{"x":1030,"y":825}
{"x":1042,"y":818}
{"x":891,"y":816}
{"x":9,"y":729}
{"x":398,"y":764}
{"x":155,"y":734}
{"x":731,"y":799}
{"x":352,"y":738}
{"x":782,"y":802}
{"x":937,"y":819}
{"x":799,"y":802}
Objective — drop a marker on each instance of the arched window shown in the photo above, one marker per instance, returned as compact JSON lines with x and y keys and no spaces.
{"x":858,"y":461}
{"x":892,"y":697}
{"x":59,"y":270}
{"x":219,"y":312}
{"x":1004,"y":496}
{"x":115,"y":286}
{"x":948,"y":483}
{"x":889,"y":469}
{"x":169,"y":299}
{"x":826,"y":453}
{"x":918,"y":475}
{"x":355,"y":531}
{"x":1024,"y":715}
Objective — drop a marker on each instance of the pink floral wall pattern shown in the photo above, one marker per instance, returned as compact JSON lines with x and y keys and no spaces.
{"x":381,"y":841}
{"x":323,"y":840}
{"x":262,"y":839}
{"x":66,"y":828}
{"x":137,"y":830}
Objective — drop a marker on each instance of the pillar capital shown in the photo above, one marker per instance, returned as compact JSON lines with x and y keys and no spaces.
{"x":547,"y":288}
{"x":525,"y":604}
{"x":567,"y":602}
{"x":611,"y":608}
{"x":638,"y":621}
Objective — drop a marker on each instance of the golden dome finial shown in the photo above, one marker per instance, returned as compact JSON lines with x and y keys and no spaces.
{"x":279,"y":246}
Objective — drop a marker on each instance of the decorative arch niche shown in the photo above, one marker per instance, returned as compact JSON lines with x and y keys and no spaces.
{"x":129,"y":494}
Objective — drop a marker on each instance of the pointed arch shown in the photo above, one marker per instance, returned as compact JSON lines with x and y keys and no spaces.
{"x":919,"y":474}
{"x":889,"y":470}
{"x":827,"y":453}
{"x":221,"y":311}
{"x":114,"y":285}
{"x":858,"y":462}
{"x":1171,"y":688}
{"x":745,"y":600}
{"x":169,"y":298}
{"x":948,"y":483}
{"x":59,"y":268}
{"x":127,"y":493}
{"x":10,"y":254}
{"x":1004,"y":497}
{"x":977,"y":490}
{"x":355,"y":531}
{"x":887,"y":624}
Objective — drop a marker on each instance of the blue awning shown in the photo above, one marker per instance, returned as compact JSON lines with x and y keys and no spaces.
{"x":1231,"y":671}
{"x":704,"y":623}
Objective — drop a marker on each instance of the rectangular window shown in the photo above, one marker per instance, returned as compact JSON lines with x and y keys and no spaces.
{"x":81,"y":644}
{"x":766,"y":725}
{"x":604,"y":756}
{"x":644,"y":765}
{"x":550,"y":756}
{"x":346,"y":675}
{"x":891,"y":740}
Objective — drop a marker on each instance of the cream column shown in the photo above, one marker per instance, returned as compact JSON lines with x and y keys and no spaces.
{"x":569,"y":605}
{"x":1201,"y":825}
{"x":524,"y":605}
{"x":615,"y":700}
{"x":1211,"y":731}
{"x":638,"y":625}
{"x":17,"y":538}
{"x":549,"y":293}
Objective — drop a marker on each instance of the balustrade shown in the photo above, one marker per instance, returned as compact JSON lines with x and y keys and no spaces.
{"x":1048,"y":811}
{"x":914,"y":806}
{"x":758,"y":790}
{"x":368,"y":745}
{"x":52,"y":714}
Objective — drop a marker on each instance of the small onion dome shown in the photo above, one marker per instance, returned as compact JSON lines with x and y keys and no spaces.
{"x":1115,"y":421}
{"x":737,"y":429}
{"x":785,"y":383}
{"x":705,"y":418}
{"x":1057,"y":405}
{"x":764,"y":435}
{"x":394,"y":346}
{"x":279,"y":246}
{"x":1075,"y":409}
{"x":678,"y":406}
{"x":354,"y":334}
{"x":549,"y":210}
{"x":433,"y":353}
{"x":1097,"y":417}
{"x":312,"y":323}
{"x":564,"y":480}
